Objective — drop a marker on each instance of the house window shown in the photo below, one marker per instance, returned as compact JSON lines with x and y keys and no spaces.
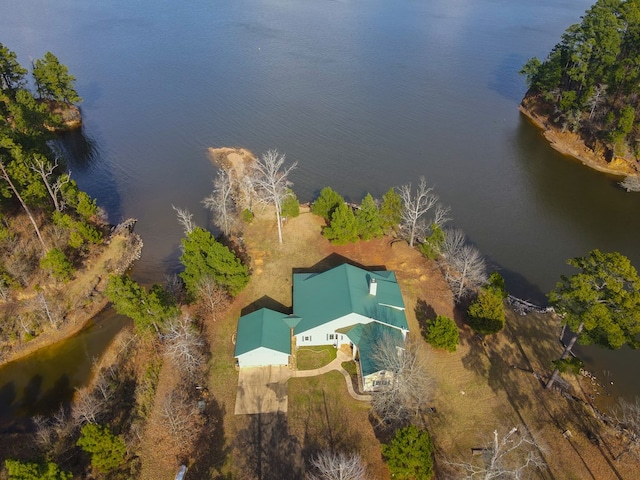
{"x":306,"y":338}
{"x":332,"y":336}
{"x":378,"y":383}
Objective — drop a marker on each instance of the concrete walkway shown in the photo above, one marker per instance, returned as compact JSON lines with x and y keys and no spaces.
{"x":264,"y":389}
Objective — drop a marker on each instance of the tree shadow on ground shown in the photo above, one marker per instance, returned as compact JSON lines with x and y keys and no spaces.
{"x":211,"y":446}
{"x":267,"y":451}
{"x":424,"y":314}
{"x":324,"y":427}
{"x":265,"y":302}
{"x":334,"y":260}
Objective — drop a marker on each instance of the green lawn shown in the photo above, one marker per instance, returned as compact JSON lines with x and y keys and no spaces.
{"x":315,"y":357}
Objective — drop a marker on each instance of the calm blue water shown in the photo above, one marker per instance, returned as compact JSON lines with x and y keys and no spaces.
{"x":363,"y":94}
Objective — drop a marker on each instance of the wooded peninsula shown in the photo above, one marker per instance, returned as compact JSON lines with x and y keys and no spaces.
{"x":584,"y":94}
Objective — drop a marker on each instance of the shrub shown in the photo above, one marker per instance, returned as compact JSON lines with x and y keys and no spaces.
{"x":443,"y":333}
{"x":18,"y":470}
{"x":568,"y":365}
{"x":290,"y":206}
{"x":432,"y":245}
{"x":486,"y":313}
{"x":496,"y":281}
{"x":247,"y":216}
{"x":57,"y":264}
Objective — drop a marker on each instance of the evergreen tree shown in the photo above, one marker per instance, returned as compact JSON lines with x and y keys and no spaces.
{"x":600,"y":303}
{"x":148,"y":310}
{"x":409,"y":456}
{"x":433,"y":243}
{"x":57,"y":264}
{"x":107,"y":450}
{"x":18,"y":470}
{"x":326,"y":203}
{"x":53,"y":80}
{"x":442,"y":332}
{"x":290,"y":205}
{"x":343,"y":227}
{"x":391,"y":210}
{"x":203,"y":256}
{"x":368,"y":219}
{"x":11,"y":72}
{"x":591,"y":78}
{"x":486,"y":313}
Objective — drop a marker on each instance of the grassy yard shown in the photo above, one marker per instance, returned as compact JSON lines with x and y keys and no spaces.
{"x":323,"y":414}
{"x":315,"y":357}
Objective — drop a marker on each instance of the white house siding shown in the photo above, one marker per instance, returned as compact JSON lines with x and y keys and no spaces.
{"x":320,"y":335}
{"x":262,"y":356}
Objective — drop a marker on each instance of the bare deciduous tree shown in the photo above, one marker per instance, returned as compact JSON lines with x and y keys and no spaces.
{"x":44,"y":432}
{"x":185,"y":218}
{"x":184,"y":345}
{"x":629,"y":418}
{"x":104,"y":385}
{"x":180,"y":417}
{"x":5,"y":176}
{"x":512,"y":455}
{"x":271,"y":182}
{"x":631,"y":184}
{"x":415,"y":206}
{"x":86,"y":407}
{"x":49,"y":308}
{"x":221,"y":203}
{"x":212,"y":298}
{"x":463,"y":264}
{"x":45,"y":169}
{"x":597,"y":98}
{"x":411,"y":383}
{"x":337,"y":466}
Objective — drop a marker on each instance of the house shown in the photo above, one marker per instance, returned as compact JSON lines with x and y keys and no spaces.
{"x":345,"y":305}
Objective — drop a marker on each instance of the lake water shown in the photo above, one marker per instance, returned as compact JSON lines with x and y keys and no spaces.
{"x":365,"y":95}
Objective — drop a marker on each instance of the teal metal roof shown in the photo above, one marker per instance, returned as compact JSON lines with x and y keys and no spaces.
{"x":321,"y":297}
{"x":368,"y":337}
{"x":263,"y":328}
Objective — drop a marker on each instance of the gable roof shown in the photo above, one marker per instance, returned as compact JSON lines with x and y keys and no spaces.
{"x":263,"y":328}
{"x":367,"y":337}
{"x":321,"y":297}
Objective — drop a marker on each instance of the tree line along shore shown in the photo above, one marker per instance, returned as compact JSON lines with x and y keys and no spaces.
{"x":584,"y":94}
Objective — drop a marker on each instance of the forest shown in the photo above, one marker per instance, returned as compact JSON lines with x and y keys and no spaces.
{"x":589,"y":82}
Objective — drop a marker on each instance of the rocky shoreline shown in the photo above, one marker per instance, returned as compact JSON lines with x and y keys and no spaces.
{"x":572,"y":145}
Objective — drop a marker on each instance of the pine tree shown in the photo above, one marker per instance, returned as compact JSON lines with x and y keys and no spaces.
{"x":204,"y":256}
{"x":409,"y":456}
{"x":107,"y":450}
{"x":343,"y":228}
{"x":326,"y":203}
{"x":391,"y":210}
{"x":368,"y":219}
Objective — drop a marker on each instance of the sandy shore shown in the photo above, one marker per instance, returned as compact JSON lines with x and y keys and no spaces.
{"x":573,"y":146}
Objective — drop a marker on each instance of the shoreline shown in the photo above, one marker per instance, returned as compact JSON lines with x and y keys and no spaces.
{"x":118,"y":256}
{"x":571,"y":145}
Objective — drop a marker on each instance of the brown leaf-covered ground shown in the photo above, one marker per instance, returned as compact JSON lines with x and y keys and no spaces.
{"x":483,"y":386}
